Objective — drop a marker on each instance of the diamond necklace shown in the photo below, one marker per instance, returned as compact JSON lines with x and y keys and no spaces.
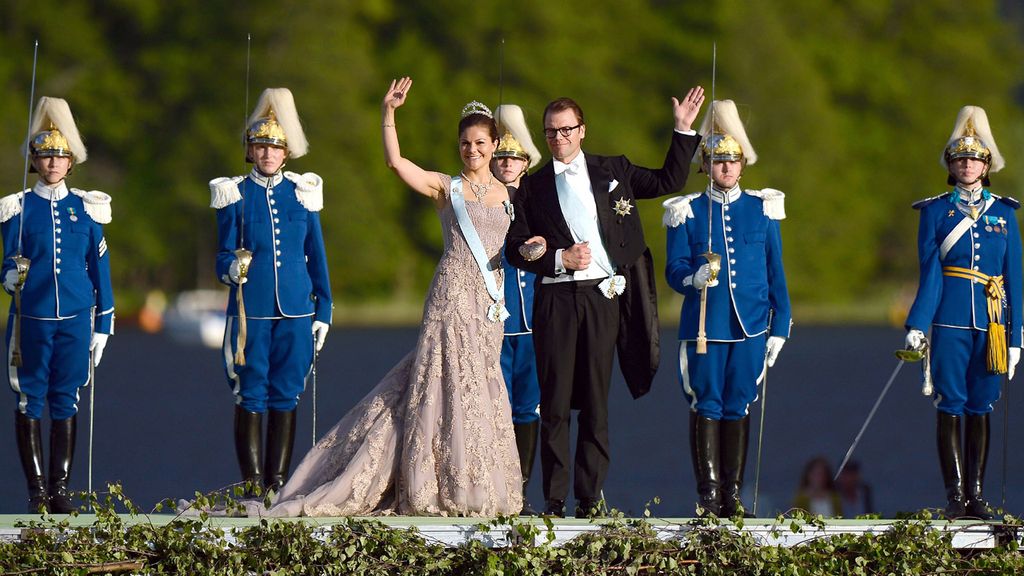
{"x":479,"y":190}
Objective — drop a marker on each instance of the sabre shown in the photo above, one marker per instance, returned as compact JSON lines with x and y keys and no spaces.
{"x":92,"y":412}
{"x":243,"y":256}
{"x":904,"y":357}
{"x":316,"y":355}
{"x":21,"y":263}
{"x":714,"y":260}
{"x":761,"y":434}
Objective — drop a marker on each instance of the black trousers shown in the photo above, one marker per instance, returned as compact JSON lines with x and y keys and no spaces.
{"x":575,"y":328}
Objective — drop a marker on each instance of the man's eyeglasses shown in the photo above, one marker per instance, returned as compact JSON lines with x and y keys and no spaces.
{"x":565,"y":131}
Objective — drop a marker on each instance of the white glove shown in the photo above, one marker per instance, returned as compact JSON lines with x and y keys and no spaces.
{"x":11,"y":279}
{"x":701,"y":278}
{"x":235,"y":274}
{"x":99,"y":342}
{"x":1011,"y":363}
{"x":915,"y":339}
{"x":319,"y":333}
{"x":775,"y":344}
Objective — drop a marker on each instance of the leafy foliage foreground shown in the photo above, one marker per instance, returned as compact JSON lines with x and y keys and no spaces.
{"x":198,"y":545}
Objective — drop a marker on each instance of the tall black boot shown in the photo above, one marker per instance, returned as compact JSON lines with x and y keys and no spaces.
{"x":280,"y":438}
{"x":526,"y":445}
{"x":249,"y":447}
{"x":62,"y":453}
{"x":706,"y":439}
{"x":976,"y":431}
{"x":952,"y":464}
{"x":735,"y":435}
{"x":30,"y":448}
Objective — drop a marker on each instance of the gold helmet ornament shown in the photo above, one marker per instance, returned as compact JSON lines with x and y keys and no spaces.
{"x":516,"y":142}
{"x":275,"y":121}
{"x":728,"y":141}
{"x":972,"y":138}
{"x":54,"y":133}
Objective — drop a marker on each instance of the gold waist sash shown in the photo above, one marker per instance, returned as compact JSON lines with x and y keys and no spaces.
{"x":994,"y":294}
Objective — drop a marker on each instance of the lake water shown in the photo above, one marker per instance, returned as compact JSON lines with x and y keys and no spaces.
{"x":164,"y":419}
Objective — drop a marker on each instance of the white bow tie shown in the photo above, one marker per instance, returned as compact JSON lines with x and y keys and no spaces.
{"x":572,"y":168}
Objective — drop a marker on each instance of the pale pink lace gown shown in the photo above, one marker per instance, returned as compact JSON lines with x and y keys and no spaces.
{"x":434,"y":437}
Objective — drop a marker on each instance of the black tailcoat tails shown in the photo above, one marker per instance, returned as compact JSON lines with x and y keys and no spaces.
{"x":628,"y":322}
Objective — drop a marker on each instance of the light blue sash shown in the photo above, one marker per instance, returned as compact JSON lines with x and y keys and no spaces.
{"x":495,"y":312}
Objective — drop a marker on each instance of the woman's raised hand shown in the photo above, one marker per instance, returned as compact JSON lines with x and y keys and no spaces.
{"x":397,"y":92}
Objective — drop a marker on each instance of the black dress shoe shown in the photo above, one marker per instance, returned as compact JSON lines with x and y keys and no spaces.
{"x":589,"y":508}
{"x":528,"y":510}
{"x":554,"y":508}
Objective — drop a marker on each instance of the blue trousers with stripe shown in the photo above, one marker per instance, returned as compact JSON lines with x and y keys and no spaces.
{"x":963,"y":384}
{"x":519,"y":366}
{"x":55,"y":364}
{"x":278,"y":357}
{"x":722,"y":384}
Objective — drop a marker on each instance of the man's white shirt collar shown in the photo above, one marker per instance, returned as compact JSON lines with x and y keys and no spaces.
{"x":58,"y":192}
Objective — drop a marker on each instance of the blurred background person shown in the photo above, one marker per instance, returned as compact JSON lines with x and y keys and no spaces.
{"x":817,"y":493}
{"x":854,"y":494}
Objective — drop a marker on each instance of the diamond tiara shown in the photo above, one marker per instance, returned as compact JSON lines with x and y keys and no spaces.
{"x":475,"y":107}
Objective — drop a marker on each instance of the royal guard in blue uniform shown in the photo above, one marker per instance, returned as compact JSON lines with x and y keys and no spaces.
{"x":57,"y":269}
{"x":725,"y":258}
{"x":271,"y":254}
{"x":969,"y":295}
{"x":515,"y":155}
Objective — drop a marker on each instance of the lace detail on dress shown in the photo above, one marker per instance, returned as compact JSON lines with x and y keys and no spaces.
{"x":435,"y":435}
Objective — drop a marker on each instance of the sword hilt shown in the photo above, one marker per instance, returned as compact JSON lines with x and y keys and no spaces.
{"x":244,"y":258}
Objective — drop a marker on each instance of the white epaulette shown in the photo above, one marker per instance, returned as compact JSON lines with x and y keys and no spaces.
{"x":774,"y":202}
{"x":224,"y":191}
{"x":677,"y":210}
{"x":10,"y":206}
{"x":97,"y":204}
{"x":309,"y":190}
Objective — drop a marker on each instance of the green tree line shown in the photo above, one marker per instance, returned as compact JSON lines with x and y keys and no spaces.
{"x":848,"y":104}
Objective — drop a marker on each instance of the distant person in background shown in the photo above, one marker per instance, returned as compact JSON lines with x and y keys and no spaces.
{"x":969,"y":295}
{"x":817,"y":493}
{"x":747,"y":316}
{"x":279,"y":305}
{"x":67,"y":301}
{"x":516,"y":153}
{"x":854,"y":494}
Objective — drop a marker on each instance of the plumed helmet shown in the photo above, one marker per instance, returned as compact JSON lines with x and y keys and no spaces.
{"x":516,"y":141}
{"x":728,"y":140}
{"x":972,"y":138}
{"x":275,"y":121}
{"x":54,"y":133}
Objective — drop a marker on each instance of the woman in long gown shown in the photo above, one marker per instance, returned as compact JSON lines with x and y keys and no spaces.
{"x":434,"y":437}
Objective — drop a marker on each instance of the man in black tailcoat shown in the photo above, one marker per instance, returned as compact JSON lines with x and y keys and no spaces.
{"x":577,"y":227}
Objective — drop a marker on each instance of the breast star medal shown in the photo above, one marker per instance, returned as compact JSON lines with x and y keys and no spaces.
{"x":623,"y":207}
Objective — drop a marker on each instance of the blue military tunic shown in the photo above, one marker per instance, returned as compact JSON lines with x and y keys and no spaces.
{"x":277,"y":218}
{"x":67,"y":294}
{"x":518,"y":357}
{"x":749,"y":302}
{"x":955,"y":307}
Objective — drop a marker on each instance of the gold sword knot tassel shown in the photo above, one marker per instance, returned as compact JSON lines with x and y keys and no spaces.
{"x":714,"y":267}
{"x":21,"y":264}
{"x":244,"y":260}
